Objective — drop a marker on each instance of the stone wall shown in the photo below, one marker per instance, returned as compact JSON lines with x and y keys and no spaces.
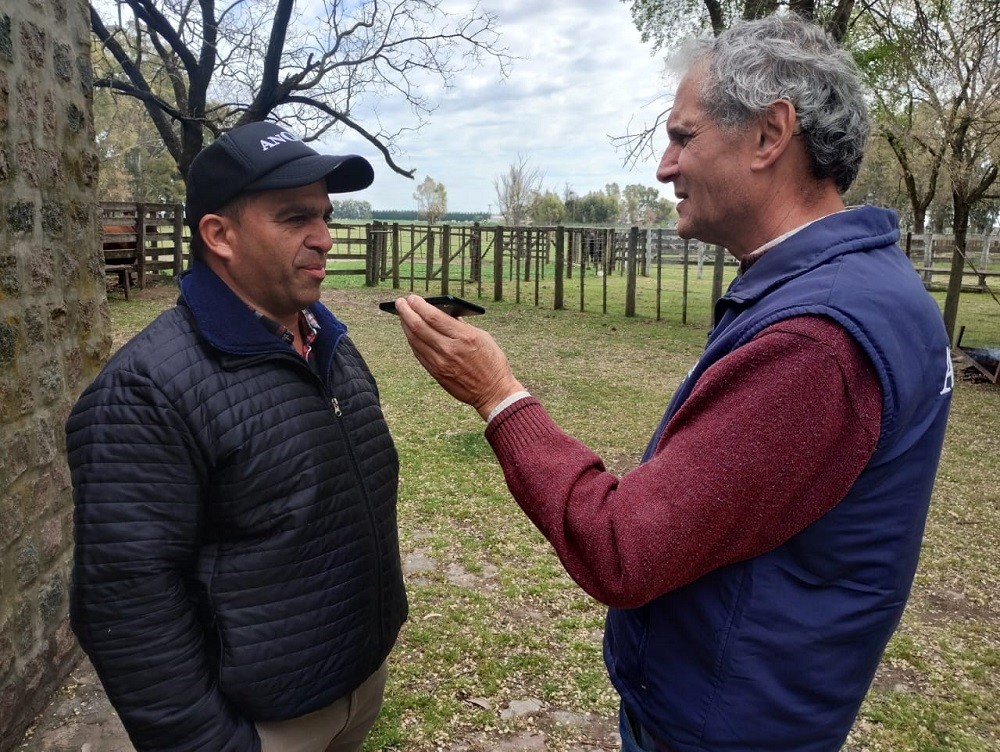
{"x":54,"y":334}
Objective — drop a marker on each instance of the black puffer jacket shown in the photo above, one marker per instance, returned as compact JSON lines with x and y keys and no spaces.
{"x":236,"y":555}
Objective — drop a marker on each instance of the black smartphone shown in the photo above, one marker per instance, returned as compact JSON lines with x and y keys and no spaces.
{"x":448,"y":303}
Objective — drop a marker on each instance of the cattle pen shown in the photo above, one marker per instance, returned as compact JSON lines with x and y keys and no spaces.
{"x":646,"y":272}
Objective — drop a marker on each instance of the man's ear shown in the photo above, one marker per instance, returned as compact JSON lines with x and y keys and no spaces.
{"x":215,"y":231}
{"x":774,"y":133}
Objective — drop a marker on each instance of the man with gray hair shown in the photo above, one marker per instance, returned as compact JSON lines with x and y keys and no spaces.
{"x":759,"y":557}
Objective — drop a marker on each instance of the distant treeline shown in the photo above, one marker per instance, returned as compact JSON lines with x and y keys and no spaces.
{"x":356,"y":209}
{"x":411,"y":215}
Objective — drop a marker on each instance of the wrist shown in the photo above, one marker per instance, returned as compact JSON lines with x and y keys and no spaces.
{"x":501,"y":399}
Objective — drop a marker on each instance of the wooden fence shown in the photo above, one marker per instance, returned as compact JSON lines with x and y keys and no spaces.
{"x":140,"y":239}
{"x":552,"y":266}
{"x":932,"y":253}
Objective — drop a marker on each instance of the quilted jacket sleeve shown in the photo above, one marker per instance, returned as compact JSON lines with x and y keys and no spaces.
{"x":138,"y":522}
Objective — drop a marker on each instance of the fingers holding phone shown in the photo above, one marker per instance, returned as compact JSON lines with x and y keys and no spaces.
{"x":465,"y":360}
{"x":448,"y":303}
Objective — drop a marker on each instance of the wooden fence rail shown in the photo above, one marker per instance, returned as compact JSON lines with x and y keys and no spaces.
{"x":538,"y":264}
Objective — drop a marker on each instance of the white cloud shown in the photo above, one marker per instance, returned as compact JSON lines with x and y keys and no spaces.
{"x":582,"y":75}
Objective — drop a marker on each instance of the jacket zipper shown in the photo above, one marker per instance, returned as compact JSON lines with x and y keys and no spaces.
{"x":373,"y":523}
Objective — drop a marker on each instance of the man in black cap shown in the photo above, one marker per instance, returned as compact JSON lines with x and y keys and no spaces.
{"x":237,"y":581}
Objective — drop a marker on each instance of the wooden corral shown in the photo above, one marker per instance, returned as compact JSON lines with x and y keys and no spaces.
{"x":139,"y":239}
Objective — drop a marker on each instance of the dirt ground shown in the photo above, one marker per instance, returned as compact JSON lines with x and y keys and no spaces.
{"x":78,"y":719}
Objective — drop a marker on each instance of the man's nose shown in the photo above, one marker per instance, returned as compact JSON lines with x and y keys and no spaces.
{"x":320,"y":239}
{"x":667,"y":169}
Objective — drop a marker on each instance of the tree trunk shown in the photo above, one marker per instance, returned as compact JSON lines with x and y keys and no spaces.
{"x":961,"y":207}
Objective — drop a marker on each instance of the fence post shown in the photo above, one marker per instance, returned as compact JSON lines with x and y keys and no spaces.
{"x":383,"y":250}
{"x":630,"y":270}
{"x":570,"y":250}
{"x":140,"y":243}
{"x":524,"y":250}
{"x":178,"y":239}
{"x":684,"y":283}
{"x":395,"y":255}
{"x":475,"y":249}
{"x":659,"y":271}
{"x":429,"y":273}
{"x":608,"y":263}
{"x":560,"y":263}
{"x":498,"y":263}
{"x":371,"y":262}
{"x":717,"y":269}
{"x":445,"y":257}
{"x":928,"y":257}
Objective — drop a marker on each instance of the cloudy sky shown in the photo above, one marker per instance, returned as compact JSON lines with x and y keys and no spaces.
{"x":581,"y":75}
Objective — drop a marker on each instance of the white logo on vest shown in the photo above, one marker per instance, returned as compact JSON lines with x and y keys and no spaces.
{"x":949,"y":375}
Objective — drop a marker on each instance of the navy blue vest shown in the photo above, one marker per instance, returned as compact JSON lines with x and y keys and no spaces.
{"x":777,"y":652}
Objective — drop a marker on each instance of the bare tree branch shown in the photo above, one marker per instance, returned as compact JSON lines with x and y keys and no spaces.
{"x":270,"y":59}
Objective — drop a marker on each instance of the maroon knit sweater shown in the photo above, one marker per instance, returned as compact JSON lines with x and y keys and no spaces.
{"x":770,"y":439}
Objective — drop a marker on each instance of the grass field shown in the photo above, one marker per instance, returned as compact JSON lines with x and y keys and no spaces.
{"x":503,"y":651}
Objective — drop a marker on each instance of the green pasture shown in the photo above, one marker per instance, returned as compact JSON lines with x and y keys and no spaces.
{"x":495,"y":620}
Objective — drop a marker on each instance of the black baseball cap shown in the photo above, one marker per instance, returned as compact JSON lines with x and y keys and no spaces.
{"x":260,"y":157}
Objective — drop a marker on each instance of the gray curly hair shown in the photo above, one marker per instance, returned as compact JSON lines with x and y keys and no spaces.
{"x":756,"y":63}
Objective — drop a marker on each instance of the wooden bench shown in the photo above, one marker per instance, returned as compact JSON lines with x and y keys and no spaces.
{"x":985,"y":360}
{"x":121,"y":257}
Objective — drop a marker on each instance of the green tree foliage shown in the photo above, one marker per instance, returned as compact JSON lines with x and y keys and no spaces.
{"x":547,"y":209}
{"x":351,"y":209}
{"x":308,"y":64}
{"x":595,"y":208}
{"x":411,"y":215}
{"x":133,"y":163}
{"x":666,"y":22}
{"x":432,"y":200}
{"x":948,"y":54}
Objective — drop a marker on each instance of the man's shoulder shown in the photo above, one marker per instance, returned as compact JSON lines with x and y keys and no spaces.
{"x":157,"y":343}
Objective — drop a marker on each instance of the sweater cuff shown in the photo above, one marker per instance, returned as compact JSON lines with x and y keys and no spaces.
{"x":505,"y":403}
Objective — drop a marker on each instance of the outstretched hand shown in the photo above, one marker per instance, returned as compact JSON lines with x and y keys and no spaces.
{"x":463,"y":359}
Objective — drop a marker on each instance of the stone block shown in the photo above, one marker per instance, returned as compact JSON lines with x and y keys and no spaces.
{"x":27,"y":102}
{"x":42,"y":269}
{"x":10,"y":277}
{"x":50,"y":122}
{"x":4,"y":98}
{"x":11,"y":508}
{"x":33,"y":40}
{"x":9,"y":344}
{"x":6,"y":45}
{"x":58,"y":322}
{"x":28,"y":563}
{"x":34,"y":328}
{"x":21,"y":216}
{"x":52,"y":604}
{"x":62,"y":61}
{"x":53,"y":542}
{"x":53,"y":218}
{"x":22,"y":630}
{"x":46,"y":451}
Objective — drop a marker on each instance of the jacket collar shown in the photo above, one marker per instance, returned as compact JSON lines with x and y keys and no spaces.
{"x":228,"y":323}
{"x":858,"y":229}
